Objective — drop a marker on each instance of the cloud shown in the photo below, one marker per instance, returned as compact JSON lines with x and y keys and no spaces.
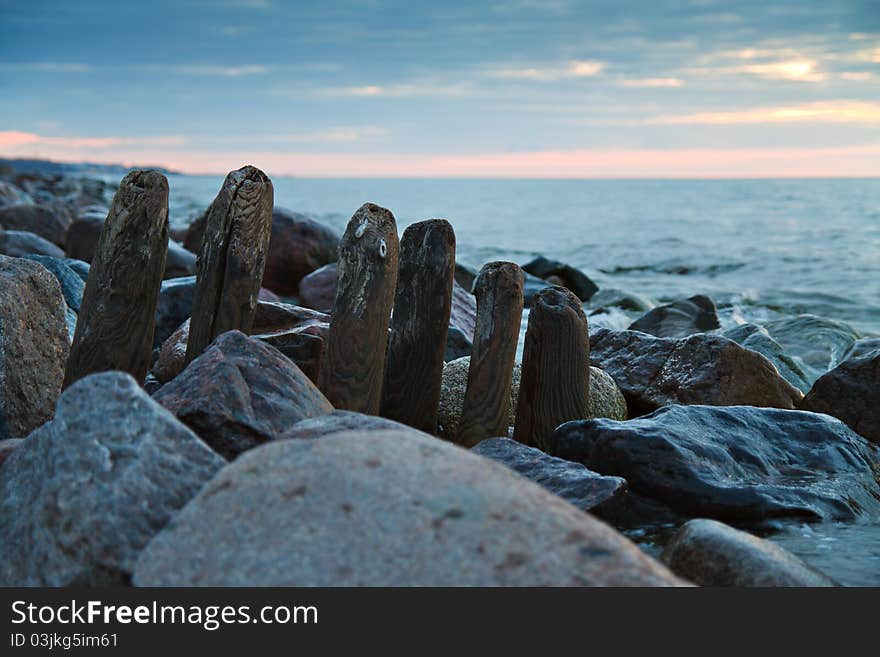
{"x":856,"y":76}
{"x":817,"y":112}
{"x":575,"y":68}
{"x":651,"y":82}
{"x":397,"y":90}
{"x":332,"y":135}
{"x":219,"y":71}
{"x":16,"y":139}
{"x":47,"y":67}
{"x":797,"y":70}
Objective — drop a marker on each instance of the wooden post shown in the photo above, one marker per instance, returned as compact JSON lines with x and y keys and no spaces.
{"x":353,"y":372}
{"x":231,"y":258}
{"x":117,"y":316}
{"x":499,"y":291}
{"x":417,"y":344}
{"x":555,"y":383}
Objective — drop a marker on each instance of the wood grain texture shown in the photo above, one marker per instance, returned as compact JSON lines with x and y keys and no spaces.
{"x":555,"y":382}
{"x":499,"y":292}
{"x":117,"y":316}
{"x":417,"y":344}
{"x":231,"y":259}
{"x":353,"y":372}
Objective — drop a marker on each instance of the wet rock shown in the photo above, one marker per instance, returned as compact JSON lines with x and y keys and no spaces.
{"x":734,"y":463}
{"x":564,"y":275}
{"x":389,"y":508}
{"x":47,"y":221}
{"x":19,"y":243}
{"x":338,"y":421}
{"x":83,"y":234}
{"x":606,"y":400}
{"x":710,"y":553}
{"x":318,"y":289}
{"x":815,"y":343}
{"x":609,"y":297}
{"x":297,"y":246}
{"x":80,"y":498}
{"x":72,"y":285}
{"x":179,"y":261}
{"x":850,"y":392}
{"x":678,"y":319}
{"x":33,"y":345}
{"x":573,"y":482}
{"x":699,"y":369}
{"x":241,"y":393}
{"x":756,"y":338}
{"x":863,"y":347}
{"x":6,"y":448}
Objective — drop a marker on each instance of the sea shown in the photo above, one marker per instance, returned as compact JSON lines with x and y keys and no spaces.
{"x":763,"y":250}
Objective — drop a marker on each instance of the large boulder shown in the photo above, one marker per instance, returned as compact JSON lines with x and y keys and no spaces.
{"x":815,"y":343}
{"x":19,"y":243}
{"x":318,"y":290}
{"x":756,"y":338}
{"x":699,"y":369}
{"x":678,"y":319}
{"x":297,"y":246}
{"x":606,"y":400}
{"x":241,"y":393}
{"x":179,"y":261}
{"x":33,"y":345}
{"x":385,"y":508}
{"x":82,"y":496}
{"x":82,"y":235}
{"x":48,"y":221}
{"x":850,"y":392}
{"x":337,"y":421}
{"x":72,"y":286}
{"x":736,"y":463}
{"x":710,"y":553}
{"x":573,"y":482}
{"x":559,"y":273}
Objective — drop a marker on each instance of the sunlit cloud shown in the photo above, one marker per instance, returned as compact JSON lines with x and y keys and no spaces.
{"x":797,"y":70}
{"x":856,"y":76}
{"x":576,"y":68}
{"x":651,"y":82}
{"x":818,"y":112}
{"x":12,"y":140}
{"x":398,"y":90}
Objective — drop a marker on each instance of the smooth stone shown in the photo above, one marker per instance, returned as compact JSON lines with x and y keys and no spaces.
{"x":48,"y":221}
{"x":240,"y":393}
{"x":678,"y":319}
{"x":710,"y":553}
{"x":174,"y":306}
{"x":563,"y":274}
{"x":385,"y":508}
{"x":318,"y":290}
{"x":573,"y":482}
{"x":756,"y":338}
{"x":179,"y":261}
{"x":298,"y":246}
{"x":82,"y":236}
{"x":34,"y":345}
{"x":82,"y":496}
{"x":737,"y":463}
{"x":609,"y":297}
{"x":817,"y":344}
{"x":72,"y":286}
{"x":699,"y":369}
{"x":338,"y":421}
{"x":19,"y":243}
{"x":192,"y":241}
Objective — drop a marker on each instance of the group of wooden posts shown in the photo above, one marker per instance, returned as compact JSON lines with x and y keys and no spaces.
{"x":365,"y":367}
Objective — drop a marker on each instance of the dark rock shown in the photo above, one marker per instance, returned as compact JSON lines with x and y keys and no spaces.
{"x":734,"y":463}
{"x":318,"y":289}
{"x":531,"y":287}
{"x":195,"y":232}
{"x":240,"y":393}
{"x":389,"y":508}
{"x":82,"y":236}
{"x":297,"y":247}
{"x":179,"y":261}
{"x":710,"y":553}
{"x":174,"y":306}
{"x":756,"y":338}
{"x":49,"y":222}
{"x":563,"y":274}
{"x":80,"y":267}
{"x":573,"y":482}
{"x":19,"y":243}
{"x":338,"y":421}
{"x":815,"y":343}
{"x":72,"y":285}
{"x":6,"y":448}
{"x":463,"y":314}
{"x":34,"y":345}
{"x":609,"y":297}
{"x":699,"y":369}
{"x":80,"y":498}
{"x":12,"y":195}
{"x":862,"y":347}
{"x":697,"y":314}
{"x":465,"y":276}
{"x":458,"y":345}
{"x":850,"y":392}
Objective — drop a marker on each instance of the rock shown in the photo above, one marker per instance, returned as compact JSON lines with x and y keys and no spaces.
{"x":195,"y":232}
{"x":33,"y":345}
{"x":465,"y":276}
{"x":81,"y":497}
{"x":12,"y":195}
{"x":72,"y":285}
{"x":80,"y":267}
{"x":606,"y":400}
{"x":389,"y":508}
{"x":815,"y":343}
{"x":699,"y":369}
{"x":565,"y":275}
{"x":241,"y":393}
{"x":850,"y":392}
{"x":458,"y":345}
{"x":179,"y":261}
{"x":862,"y":347}
{"x":573,"y":482}
{"x":19,"y":243}
{"x":6,"y":448}
{"x":174,"y":306}
{"x":756,"y":338}
{"x":318,"y":289}
{"x":463,"y":314}
{"x":338,"y":421}
{"x":83,"y":234}
{"x":609,"y":297}
{"x":531,"y":287}
{"x":49,"y":222}
{"x":697,"y":314}
{"x":710,"y":553}
{"x":734,"y":463}
{"x":297,"y":247}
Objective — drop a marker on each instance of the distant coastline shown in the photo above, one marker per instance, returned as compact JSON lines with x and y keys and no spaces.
{"x":51,"y":167}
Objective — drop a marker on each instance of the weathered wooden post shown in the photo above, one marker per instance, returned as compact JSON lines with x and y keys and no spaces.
{"x":353,"y":371}
{"x":414,"y":366}
{"x":555,"y":381}
{"x":231,"y":258}
{"x":117,"y":316}
{"x":499,"y":291}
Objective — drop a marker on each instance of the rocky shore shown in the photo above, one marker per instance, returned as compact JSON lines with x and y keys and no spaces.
{"x":243,"y":407}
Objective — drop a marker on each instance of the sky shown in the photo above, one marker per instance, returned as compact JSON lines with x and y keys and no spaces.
{"x":505,"y":88}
